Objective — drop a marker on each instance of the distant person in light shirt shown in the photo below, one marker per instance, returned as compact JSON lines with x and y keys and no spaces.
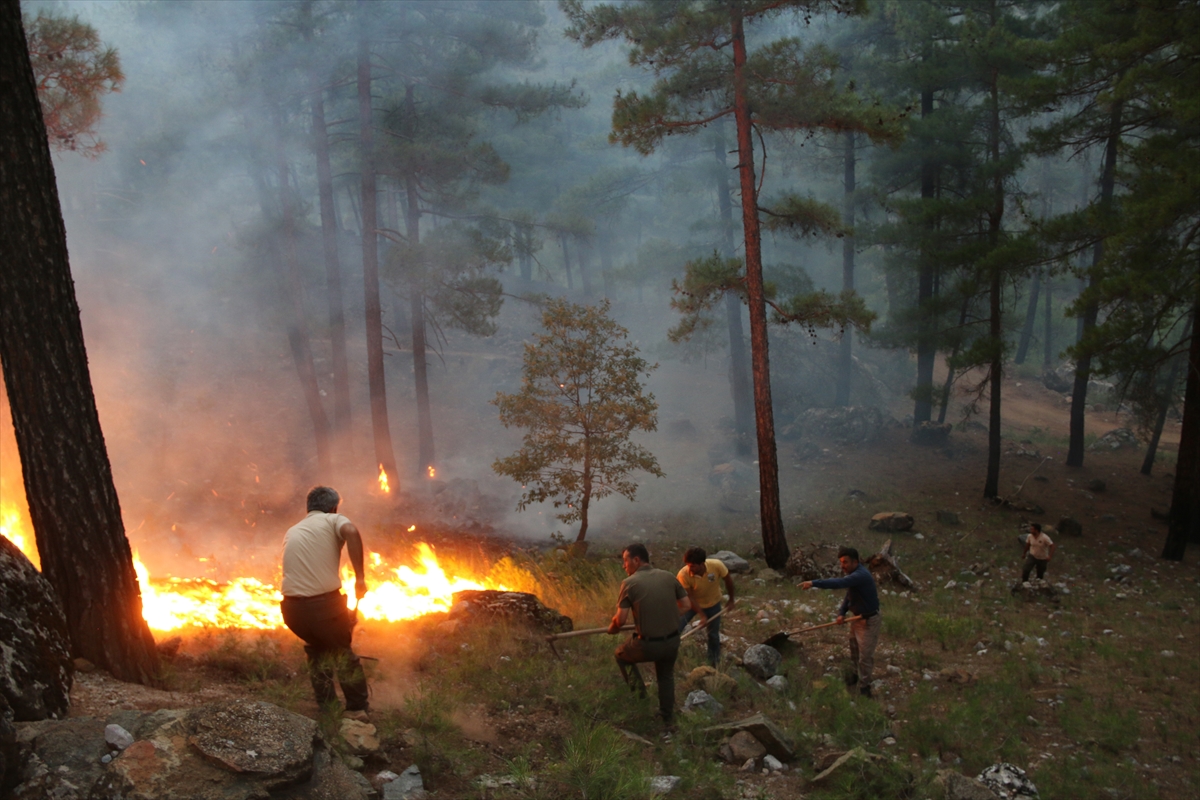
{"x":314,"y":607}
{"x":1039,"y":549}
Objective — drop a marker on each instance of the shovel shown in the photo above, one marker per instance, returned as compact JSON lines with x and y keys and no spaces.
{"x":783,"y":636}
{"x":552,"y":638}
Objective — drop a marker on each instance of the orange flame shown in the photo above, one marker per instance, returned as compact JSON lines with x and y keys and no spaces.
{"x":17,"y":530}
{"x":432,"y":472}
{"x":397,"y":592}
{"x":412,"y":528}
{"x":383,"y":480}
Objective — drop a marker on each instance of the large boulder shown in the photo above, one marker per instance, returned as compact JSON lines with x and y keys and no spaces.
{"x":1116,"y":439}
{"x":232,"y":750}
{"x":10,"y":763}
{"x":35,"y":660}
{"x":732,"y":561}
{"x":765,"y":731}
{"x":897,"y":521}
{"x":59,"y":759}
{"x":762,"y":661}
{"x":847,"y":425}
{"x":520,"y":608}
{"x":1009,"y":782}
{"x":1061,"y":379}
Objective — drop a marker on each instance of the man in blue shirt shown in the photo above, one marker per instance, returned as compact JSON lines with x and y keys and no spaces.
{"x":862,"y":600}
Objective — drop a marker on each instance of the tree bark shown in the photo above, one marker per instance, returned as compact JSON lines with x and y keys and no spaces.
{"x":416,"y":299}
{"x":384,"y":453}
{"x":845,"y":355}
{"x":945,"y":403}
{"x":333,"y":267}
{"x":991,"y":486}
{"x":1184,"y":525}
{"x":73,"y":503}
{"x":1035,"y":289}
{"x":774,"y":540}
{"x":1165,"y":405}
{"x":926,"y":350}
{"x":1083,"y":366}
{"x":1048,"y":353}
{"x":297,"y":329}
{"x":739,"y":368}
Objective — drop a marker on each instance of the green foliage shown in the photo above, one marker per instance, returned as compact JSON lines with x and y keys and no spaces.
{"x":597,"y":763}
{"x":73,"y":71}
{"x":581,"y":399}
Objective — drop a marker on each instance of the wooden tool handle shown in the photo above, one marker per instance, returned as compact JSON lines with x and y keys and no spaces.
{"x":585,"y":632}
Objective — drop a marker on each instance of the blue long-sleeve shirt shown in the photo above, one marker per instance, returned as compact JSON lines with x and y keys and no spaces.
{"x":861,"y":596}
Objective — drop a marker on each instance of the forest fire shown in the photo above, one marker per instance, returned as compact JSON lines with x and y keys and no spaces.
{"x":383,"y":480}
{"x":397,"y":591}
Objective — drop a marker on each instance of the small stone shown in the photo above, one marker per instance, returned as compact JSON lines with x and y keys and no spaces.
{"x":892,"y":669}
{"x":664,"y":784}
{"x":772,"y":763}
{"x":700,"y":700}
{"x":107,"y":757}
{"x":117,"y":737}
{"x":778,"y":683}
{"x":83,"y":665}
{"x":408,"y":786}
{"x":748,"y":766}
{"x":1167,"y":653}
{"x":353,"y":762}
{"x":889,"y":740}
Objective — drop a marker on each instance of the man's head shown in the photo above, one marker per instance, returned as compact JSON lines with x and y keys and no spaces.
{"x":848,"y":558}
{"x":324,"y":499}
{"x":1035,"y":528}
{"x":694,"y":558}
{"x":634,"y":557}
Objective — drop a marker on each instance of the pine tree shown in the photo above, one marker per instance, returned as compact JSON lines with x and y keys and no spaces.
{"x":705,"y":72}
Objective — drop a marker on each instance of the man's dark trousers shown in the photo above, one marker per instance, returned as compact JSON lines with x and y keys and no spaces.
{"x":326,"y":626}
{"x":663,"y":653}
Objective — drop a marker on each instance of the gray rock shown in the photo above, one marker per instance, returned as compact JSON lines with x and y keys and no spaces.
{"x":36,"y":670}
{"x":1008,"y":782}
{"x":701,"y":700}
{"x":960,"y":787}
{"x":814,"y":562}
{"x":521,"y":608}
{"x":772,"y":763}
{"x":59,"y":758}
{"x":931,"y":433}
{"x":778,"y":683}
{"x":770,"y":575}
{"x":732,"y":561}
{"x":1061,"y":379}
{"x":947,"y":517}
{"x":762,"y":661}
{"x":408,"y":786}
{"x":742,"y":747}
{"x":332,"y":779}
{"x":1068,"y":526}
{"x":664,"y":784}
{"x":847,"y":425}
{"x":361,"y":737}
{"x":1116,"y":439}
{"x":765,"y":731}
{"x":117,"y":737}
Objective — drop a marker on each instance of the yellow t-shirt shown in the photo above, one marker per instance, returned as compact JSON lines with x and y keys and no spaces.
{"x":706,"y":587}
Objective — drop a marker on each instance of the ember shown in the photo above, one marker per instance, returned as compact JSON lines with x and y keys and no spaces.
{"x":383,"y":480}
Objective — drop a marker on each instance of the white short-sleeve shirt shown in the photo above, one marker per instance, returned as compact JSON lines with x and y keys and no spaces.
{"x":312,"y":555}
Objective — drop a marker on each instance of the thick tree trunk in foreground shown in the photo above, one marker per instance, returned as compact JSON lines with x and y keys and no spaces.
{"x":333,"y":269}
{"x":774,"y":541}
{"x":845,"y":356}
{"x":1083,"y":367}
{"x":68,"y":481}
{"x":991,"y":486}
{"x":739,"y":370}
{"x":384,"y":454}
{"x":1184,"y":527}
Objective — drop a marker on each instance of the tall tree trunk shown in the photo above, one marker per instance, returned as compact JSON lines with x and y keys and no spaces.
{"x":1048,"y":344}
{"x":416,"y":305}
{"x":1184,"y":526}
{"x":73,"y":503}
{"x":926,"y":349}
{"x":1083,"y":366}
{"x":384,"y":454}
{"x":1035,"y":289}
{"x":774,"y":540}
{"x":740,"y":385}
{"x":584,"y":259}
{"x":586,"y":500}
{"x":1165,"y":404}
{"x":945,"y":403}
{"x":606,"y":271}
{"x":297,"y":329}
{"x":845,"y":355}
{"x":991,"y":486}
{"x":562,"y":240}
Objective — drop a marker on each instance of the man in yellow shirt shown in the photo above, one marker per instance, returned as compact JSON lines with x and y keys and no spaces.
{"x":699,"y":578}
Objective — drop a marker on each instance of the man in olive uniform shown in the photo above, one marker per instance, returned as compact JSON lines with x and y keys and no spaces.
{"x":656,"y":600}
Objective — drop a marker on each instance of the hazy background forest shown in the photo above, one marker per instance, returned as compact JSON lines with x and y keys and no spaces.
{"x":197,"y":246}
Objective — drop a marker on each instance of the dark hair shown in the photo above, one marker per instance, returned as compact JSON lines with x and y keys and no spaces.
{"x":323,"y":498}
{"x":1037,"y":527}
{"x":637,"y":550}
{"x":849,"y":552}
{"x":695,"y":555}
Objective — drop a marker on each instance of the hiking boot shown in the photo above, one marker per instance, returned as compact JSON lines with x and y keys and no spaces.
{"x":358,"y":715}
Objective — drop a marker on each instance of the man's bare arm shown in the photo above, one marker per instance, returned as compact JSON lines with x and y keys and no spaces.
{"x":684,"y":604}
{"x":354,"y":549}
{"x":619,"y":619}
{"x":729,"y":589}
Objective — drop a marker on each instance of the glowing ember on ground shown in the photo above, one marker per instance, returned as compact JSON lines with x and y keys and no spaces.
{"x":432,"y":472}
{"x":396,"y":593}
{"x":383,"y":480}
{"x":21,"y":535}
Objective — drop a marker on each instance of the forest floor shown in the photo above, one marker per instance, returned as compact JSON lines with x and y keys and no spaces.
{"x":1096,"y":693}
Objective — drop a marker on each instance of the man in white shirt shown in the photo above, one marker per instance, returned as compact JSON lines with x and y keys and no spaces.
{"x":314,"y":607}
{"x":1039,"y":549}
